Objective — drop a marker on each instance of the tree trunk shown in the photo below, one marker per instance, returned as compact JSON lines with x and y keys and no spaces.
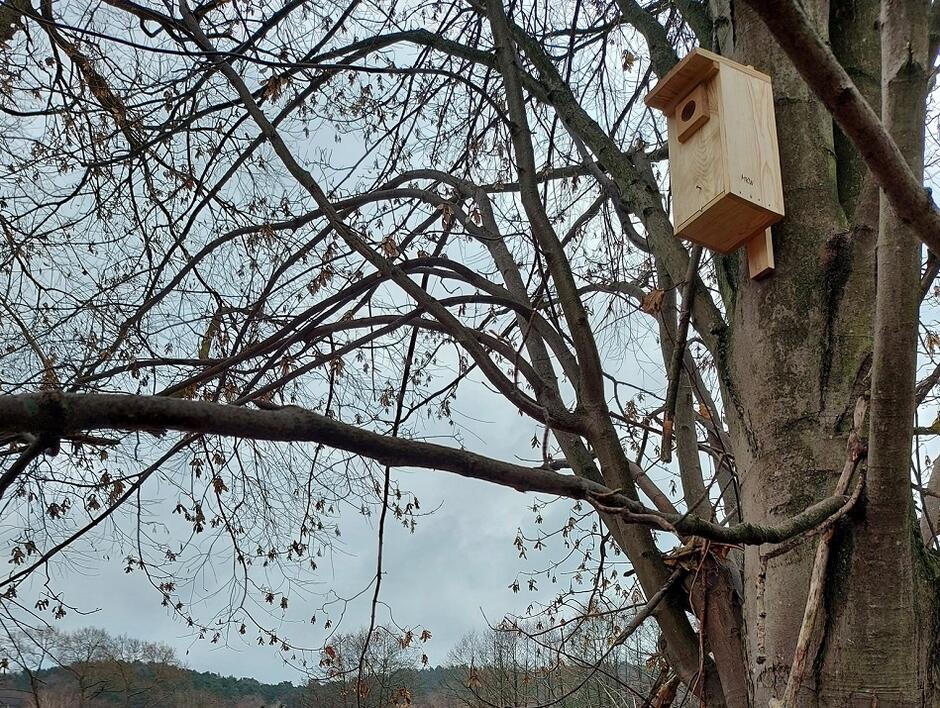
{"x":885,"y":620}
{"x":798,"y":355}
{"x":799,"y":342}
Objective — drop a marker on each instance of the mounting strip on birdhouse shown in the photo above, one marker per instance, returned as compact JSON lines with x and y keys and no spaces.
{"x":723,"y":155}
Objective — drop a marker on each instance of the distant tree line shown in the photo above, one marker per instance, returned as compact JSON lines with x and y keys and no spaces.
{"x":507,"y":665}
{"x":90,"y":668}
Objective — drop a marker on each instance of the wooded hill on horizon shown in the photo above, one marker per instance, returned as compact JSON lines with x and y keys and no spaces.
{"x":90,"y":668}
{"x":149,"y":685}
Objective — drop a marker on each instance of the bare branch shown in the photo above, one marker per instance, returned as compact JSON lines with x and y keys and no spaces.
{"x":57,"y":414}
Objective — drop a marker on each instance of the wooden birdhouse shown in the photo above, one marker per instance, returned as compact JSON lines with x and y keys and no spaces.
{"x":723,"y":155}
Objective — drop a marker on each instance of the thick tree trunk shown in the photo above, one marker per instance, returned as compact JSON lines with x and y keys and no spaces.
{"x":799,"y":346}
{"x":886,"y":619}
{"x":797,"y":357}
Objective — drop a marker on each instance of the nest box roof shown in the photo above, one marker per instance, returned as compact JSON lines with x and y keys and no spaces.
{"x":697,"y":66}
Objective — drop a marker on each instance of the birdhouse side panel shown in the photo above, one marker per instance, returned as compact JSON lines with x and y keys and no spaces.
{"x":697,"y":166}
{"x":753,"y":155}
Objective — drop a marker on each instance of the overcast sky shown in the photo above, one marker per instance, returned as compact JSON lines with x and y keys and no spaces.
{"x":451,"y":574}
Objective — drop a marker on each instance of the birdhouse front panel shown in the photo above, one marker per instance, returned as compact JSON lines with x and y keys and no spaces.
{"x":696,"y":163}
{"x":723,"y":155}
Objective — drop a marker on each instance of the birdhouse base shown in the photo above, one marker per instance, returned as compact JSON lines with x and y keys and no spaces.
{"x":726,"y":223}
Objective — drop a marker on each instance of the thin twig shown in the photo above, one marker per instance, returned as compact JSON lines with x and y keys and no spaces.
{"x":648,"y":609}
{"x":32,"y":451}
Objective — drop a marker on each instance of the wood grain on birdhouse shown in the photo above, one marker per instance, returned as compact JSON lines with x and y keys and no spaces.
{"x":723,"y":156}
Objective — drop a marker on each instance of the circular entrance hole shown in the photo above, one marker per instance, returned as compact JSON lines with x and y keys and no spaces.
{"x":688,"y":110}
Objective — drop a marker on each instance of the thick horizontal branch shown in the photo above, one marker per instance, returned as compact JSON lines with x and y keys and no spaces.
{"x":812,"y":57}
{"x":54,"y":414}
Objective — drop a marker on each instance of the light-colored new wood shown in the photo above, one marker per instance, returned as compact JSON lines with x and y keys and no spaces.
{"x":723,"y":155}
{"x":753,"y":158}
{"x":697,"y":165}
{"x":692,"y":112}
{"x":695,"y":68}
{"x":760,"y":255}
{"x":726,"y":224}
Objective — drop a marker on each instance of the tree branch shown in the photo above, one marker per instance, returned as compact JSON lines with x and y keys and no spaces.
{"x":57,"y":414}
{"x":801,"y":660}
{"x":662,"y":53}
{"x":554,"y":416}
